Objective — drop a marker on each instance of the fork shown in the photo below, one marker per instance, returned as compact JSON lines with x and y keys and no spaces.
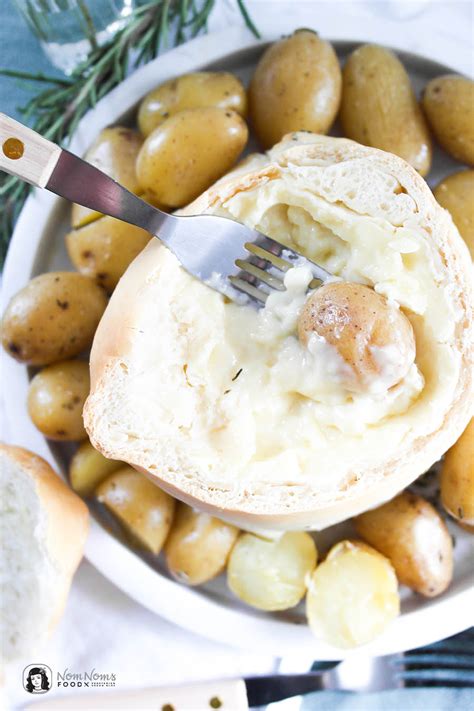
{"x":240,"y":262}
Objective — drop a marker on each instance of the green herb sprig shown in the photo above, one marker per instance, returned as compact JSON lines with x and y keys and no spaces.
{"x":56,"y":110}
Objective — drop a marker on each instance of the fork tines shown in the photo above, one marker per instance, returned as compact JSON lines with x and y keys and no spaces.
{"x":264,"y":269}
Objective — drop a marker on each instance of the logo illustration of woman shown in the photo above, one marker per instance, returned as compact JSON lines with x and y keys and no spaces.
{"x":37,"y":682}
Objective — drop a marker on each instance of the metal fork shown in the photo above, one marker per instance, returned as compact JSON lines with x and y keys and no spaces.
{"x":241,"y":263}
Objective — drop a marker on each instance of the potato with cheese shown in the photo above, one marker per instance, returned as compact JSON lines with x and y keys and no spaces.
{"x":374,"y":340}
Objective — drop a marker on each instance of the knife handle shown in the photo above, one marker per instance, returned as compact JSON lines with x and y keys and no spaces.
{"x":25,"y":154}
{"x":226,"y":694}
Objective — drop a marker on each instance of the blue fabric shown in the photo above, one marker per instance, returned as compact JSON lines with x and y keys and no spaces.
{"x":19,"y":50}
{"x":401,"y":700}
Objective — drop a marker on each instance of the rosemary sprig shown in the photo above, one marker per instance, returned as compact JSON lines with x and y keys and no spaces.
{"x":56,"y":110}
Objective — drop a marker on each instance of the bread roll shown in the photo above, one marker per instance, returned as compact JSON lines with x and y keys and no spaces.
{"x":43,"y":531}
{"x":223,"y":407}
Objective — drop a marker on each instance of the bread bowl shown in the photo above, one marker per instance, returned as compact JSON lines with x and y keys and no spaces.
{"x":43,"y":530}
{"x":157,"y":400}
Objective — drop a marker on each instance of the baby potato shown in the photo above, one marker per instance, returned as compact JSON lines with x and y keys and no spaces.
{"x":379,"y":107}
{"x":456,"y":194}
{"x":145,"y":511}
{"x":448,"y":103}
{"x":56,"y":398}
{"x":88,"y":468}
{"x":188,"y":152}
{"x":374,"y":340}
{"x":198,"y":546}
{"x":103,"y":249}
{"x":271,"y":575}
{"x":114,"y":152}
{"x":296,"y":86}
{"x":52,"y":318}
{"x":457,"y":478}
{"x":191,"y":91}
{"x":412,"y":535}
{"x":352,"y":596}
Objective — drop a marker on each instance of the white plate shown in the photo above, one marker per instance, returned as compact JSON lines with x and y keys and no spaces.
{"x":38,"y":246}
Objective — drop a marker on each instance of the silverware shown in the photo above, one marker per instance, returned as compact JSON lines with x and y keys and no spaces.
{"x":240,"y":262}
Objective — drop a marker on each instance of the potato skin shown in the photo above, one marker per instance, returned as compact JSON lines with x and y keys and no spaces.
{"x":88,"y":468}
{"x":191,"y":91}
{"x":448,"y":102}
{"x":379,"y":107}
{"x":114,"y":152}
{"x":456,"y":194}
{"x":352,"y":595}
{"x":198,"y":546}
{"x":54,"y":317}
{"x":145,"y":511}
{"x":188,"y":152}
{"x":56,"y":399}
{"x":295,"y":87}
{"x":354,"y":319}
{"x":103,"y":249}
{"x":457,"y":478}
{"x":412,"y":535}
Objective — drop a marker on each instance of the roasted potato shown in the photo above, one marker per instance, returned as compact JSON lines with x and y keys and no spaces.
{"x":191,"y":91}
{"x":145,"y":511}
{"x":88,"y":468}
{"x":375,"y":340}
{"x":103,"y":249}
{"x":114,"y":152}
{"x":56,"y":398}
{"x":198,"y":546}
{"x":52,"y":318}
{"x":352,"y":595}
{"x":412,"y":535}
{"x":295,"y":87}
{"x":456,"y":194}
{"x":271,"y":574}
{"x":457,"y":478}
{"x":188,"y":152}
{"x":379,"y":107}
{"x":448,"y":103}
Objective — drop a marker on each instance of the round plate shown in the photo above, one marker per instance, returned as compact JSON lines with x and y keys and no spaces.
{"x":38,"y":246}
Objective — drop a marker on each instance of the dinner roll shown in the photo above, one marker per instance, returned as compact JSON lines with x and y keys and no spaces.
{"x":226,"y":409}
{"x":43,"y":531}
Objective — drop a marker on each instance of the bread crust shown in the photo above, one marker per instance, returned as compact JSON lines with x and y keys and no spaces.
{"x":67,"y":520}
{"x":308,"y":509}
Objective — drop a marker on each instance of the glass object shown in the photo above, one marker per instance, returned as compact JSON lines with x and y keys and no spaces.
{"x":69,"y":29}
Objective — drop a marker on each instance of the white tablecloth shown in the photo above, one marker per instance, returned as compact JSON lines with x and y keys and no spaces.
{"x":102,"y":628}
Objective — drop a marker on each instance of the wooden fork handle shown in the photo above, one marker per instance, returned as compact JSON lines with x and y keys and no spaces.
{"x":25,"y":154}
